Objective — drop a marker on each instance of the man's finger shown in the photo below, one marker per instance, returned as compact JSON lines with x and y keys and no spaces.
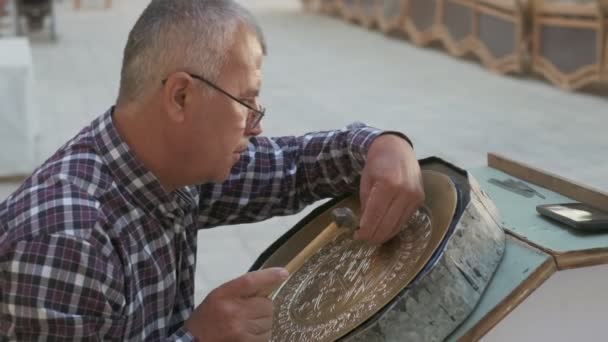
{"x":256,"y":283}
{"x":258,"y":308}
{"x":390,"y":223}
{"x":377,"y":205}
{"x":405,"y":217}
{"x":260,"y":326}
{"x":260,"y":338}
{"x":364,"y":190}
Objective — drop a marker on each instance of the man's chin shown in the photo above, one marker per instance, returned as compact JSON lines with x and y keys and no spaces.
{"x":225,"y":175}
{"x":215,"y":178}
{"x":220,"y":177}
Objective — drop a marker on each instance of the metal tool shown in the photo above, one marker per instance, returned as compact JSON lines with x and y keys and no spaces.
{"x":344,"y":221}
{"x":345,"y":218}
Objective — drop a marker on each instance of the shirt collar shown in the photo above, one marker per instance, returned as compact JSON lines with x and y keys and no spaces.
{"x":131,"y":175}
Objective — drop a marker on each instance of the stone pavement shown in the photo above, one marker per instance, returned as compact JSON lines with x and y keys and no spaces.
{"x":322,"y":73}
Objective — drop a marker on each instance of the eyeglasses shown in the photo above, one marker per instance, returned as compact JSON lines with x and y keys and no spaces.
{"x":255,"y":115}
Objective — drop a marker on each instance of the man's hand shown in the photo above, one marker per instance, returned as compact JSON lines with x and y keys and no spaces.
{"x":237,"y":310}
{"x":391,"y":189}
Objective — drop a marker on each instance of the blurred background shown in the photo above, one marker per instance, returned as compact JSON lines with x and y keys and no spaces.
{"x":62,"y":69}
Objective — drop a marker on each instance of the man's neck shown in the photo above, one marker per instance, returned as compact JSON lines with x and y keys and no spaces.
{"x":140,"y":129}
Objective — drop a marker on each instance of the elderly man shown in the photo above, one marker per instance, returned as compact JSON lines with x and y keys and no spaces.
{"x":100,"y":242}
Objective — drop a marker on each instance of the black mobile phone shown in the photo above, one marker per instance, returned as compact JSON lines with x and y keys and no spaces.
{"x":576,"y":215}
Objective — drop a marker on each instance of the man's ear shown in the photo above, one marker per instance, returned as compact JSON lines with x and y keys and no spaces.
{"x":176,"y":90}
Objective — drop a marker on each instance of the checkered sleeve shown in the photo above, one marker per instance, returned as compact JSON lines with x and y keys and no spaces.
{"x":181,"y":335}
{"x":280,"y":176}
{"x":58,"y":287}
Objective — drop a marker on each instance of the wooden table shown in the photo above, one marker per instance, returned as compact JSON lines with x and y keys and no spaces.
{"x":536,"y":250}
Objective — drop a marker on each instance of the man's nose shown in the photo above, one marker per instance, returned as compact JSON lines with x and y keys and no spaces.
{"x":255,"y":131}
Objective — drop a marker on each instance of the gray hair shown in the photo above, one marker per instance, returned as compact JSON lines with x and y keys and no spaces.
{"x":181,"y":35}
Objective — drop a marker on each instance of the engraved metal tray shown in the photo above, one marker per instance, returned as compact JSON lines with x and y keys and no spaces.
{"x":346,"y":282}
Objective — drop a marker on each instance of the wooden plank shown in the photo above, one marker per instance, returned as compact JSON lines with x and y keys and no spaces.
{"x":503,"y":5}
{"x":570,"y":9}
{"x":566,"y":187}
{"x":567,"y":22}
{"x":582,"y":259}
{"x":12,"y":178}
{"x":464,"y":2}
{"x":522,"y":270}
{"x":570,"y":81}
{"x":504,"y":15}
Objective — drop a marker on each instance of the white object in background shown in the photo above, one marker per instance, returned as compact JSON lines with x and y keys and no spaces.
{"x":572,"y":305}
{"x":18,"y":124}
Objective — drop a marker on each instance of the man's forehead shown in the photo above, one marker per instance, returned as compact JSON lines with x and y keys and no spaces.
{"x":244,"y":62}
{"x":247,"y":49}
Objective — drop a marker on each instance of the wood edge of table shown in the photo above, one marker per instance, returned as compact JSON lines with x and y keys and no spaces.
{"x":511,"y":301}
{"x":551,"y":181}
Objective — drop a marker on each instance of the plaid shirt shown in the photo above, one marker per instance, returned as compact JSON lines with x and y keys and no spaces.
{"x":92,"y":248}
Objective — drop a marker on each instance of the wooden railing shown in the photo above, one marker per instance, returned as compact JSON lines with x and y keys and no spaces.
{"x":563,"y":40}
